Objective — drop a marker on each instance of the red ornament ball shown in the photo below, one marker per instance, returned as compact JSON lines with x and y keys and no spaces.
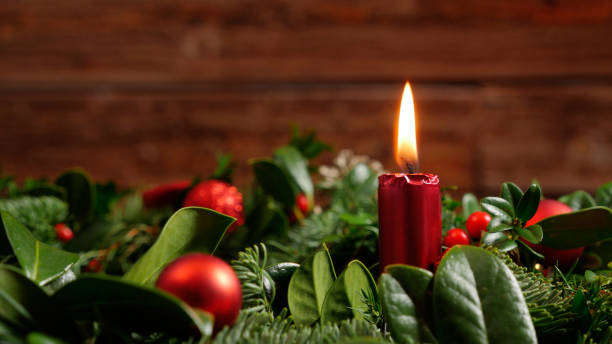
{"x":563,"y":258}
{"x":63,"y":232}
{"x":477,"y":223}
{"x":204,"y":282}
{"x":166,"y":194}
{"x":456,"y":236}
{"x":220,"y":196}
{"x":302,"y":202}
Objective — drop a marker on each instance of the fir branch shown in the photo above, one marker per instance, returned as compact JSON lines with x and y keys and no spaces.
{"x":257,"y":286}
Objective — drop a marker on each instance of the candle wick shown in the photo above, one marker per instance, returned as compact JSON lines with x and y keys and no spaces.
{"x":411,"y":168}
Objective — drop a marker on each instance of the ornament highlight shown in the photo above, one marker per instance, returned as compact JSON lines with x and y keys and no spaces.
{"x":204,"y":282}
{"x":219,"y":196}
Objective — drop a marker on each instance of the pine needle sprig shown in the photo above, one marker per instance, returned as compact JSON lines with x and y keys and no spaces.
{"x":257,"y":286}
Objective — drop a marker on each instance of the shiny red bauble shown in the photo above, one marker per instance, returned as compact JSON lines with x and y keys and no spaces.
{"x":166,"y":194}
{"x":456,"y":236}
{"x":220,"y":196}
{"x":204,"y":282}
{"x":63,"y":233}
{"x":302,"y":202}
{"x":477,"y":223}
{"x":564,"y":258}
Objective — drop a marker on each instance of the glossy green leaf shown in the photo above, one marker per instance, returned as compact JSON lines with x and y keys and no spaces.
{"x":275,"y":181}
{"x":469,"y":204}
{"x":492,"y":238}
{"x":511,"y":193}
{"x":308,"y":287}
{"x":399,"y":310}
{"x":188,"y":229}
{"x":528,"y":248}
{"x":294,"y":163}
{"x":130,"y":307}
{"x":26,"y":307}
{"x":603,"y":195}
{"x":497,"y":206}
{"x":80,"y":192}
{"x":345,"y":298}
{"x":478,"y":300}
{"x":528,"y":205}
{"x":41,"y":262}
{"x":497,"y":224}
{"x":506,"y":245}
{"x":578,"y":200}
{"x":577,"y":229}
{"x":414,"y":280}
{"x":533,"y":233}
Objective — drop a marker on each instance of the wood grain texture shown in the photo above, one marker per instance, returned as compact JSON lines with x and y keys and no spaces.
{"x":281,"y":40}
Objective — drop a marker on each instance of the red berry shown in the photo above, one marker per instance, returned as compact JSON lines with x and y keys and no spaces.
{"x":477,"y":223}
{"x":63,"y":232}
{"x":456,"y":236}
{"x":220,"y":196}
{"x":564,"y":258}
{"x":204,"y":282}
{"x":302,"y":202}
{"x":164,"y":194}
{"x":94,"y":265}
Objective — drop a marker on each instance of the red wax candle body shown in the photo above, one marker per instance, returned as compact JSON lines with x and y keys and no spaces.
{"x":409,"y":217}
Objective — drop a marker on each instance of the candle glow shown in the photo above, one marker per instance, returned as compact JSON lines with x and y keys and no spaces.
{"x":406,"y":154}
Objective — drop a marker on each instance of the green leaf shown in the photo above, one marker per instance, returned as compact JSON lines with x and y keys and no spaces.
{"x":578,"y":200}
{"x":469,"y":204}
{"x":225,"y":168}
{"x":41,"y":262}
{"x":41,"y":338}
{"x":478,"y":300}
{"x":511,"y":193}
{"x":399,"y":311}
{"x":603,"y":195}
{"x":507,"y":245}
{"x":533,"y":233}
{"x":275,"y":181}
{"x":294,"y":163}
{"x":497,"y":206}
{"x":497,"y":224}
{"x":493,"y":238}
{"x":528,"y":205}
{"x":414,"y":280}
{"x":80,"y":192}
{"x":577,"y":229}
{"x":26,"y":307}
{"x":123,"y":305}
{"x":529,"y":249}
{"x":345,"y":298}
{"x":308,"y":287}
{"x":188,"y":229}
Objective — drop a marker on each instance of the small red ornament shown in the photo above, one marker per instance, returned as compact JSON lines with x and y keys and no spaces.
{"x":564,"y":258}
{"x":456,"y":236}
{"x":477,"y":223}
{"x":204,"y":282}
{"x":164,"y":194}
{"x":302,"y":202}
{"x":220,"y":196}
{"x":63,"y":232}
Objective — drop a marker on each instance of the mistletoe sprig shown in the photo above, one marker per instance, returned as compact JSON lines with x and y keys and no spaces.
{"x":510,"y":213}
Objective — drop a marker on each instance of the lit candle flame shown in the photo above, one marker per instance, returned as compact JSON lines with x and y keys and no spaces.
{"x":406,"y":154}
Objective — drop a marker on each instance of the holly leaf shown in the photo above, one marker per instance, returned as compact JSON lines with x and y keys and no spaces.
{"x":80,"y":192}
{"x":577,"y":229}
{"x":188,"y":229}
{"x":469,"y":204}
{"x":294,"y":163}
{"x":511,"y":193}
{"x":308,"y":287}
{"x":477,"y":299}
{"x":344,"y":299}
{"x":132,"y":308}
{"x":41,"y":262}
{"x":399,"y":310}
{"x":528,"y":205}
{"x":274,"y":181}
{"x":497,"y":206}
{"x":578,"y":200}
{"x":25,"y":307}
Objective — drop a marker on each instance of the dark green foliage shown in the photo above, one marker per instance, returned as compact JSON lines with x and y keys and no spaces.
{"x":307,"y":143}
{"x":39,"y":214}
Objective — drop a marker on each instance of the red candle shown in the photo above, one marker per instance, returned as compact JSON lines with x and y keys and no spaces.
{"x":409,"y":203}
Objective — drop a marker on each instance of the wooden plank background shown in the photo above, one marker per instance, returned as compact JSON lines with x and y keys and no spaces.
{"x":144,"y":92}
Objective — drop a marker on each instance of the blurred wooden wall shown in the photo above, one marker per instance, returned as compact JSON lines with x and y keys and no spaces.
{"x":147,"y":91}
